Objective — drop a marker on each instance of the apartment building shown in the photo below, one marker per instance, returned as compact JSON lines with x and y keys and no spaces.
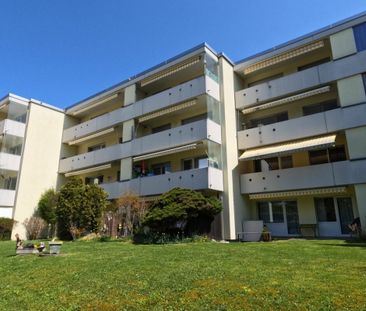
{"x":279,"y":136}
{"x":302,"y":131}
{"x":30,"y":135}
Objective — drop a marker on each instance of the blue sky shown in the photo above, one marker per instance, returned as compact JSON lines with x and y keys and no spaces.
{"x":63,"y":51}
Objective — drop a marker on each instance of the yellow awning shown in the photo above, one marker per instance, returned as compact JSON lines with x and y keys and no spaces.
{"x":165,"y":152}
{"x":296,"y":193}
{"x":287,"y":148}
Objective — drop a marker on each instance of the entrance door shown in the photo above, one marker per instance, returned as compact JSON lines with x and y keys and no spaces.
{"x":327,"y":217}
{"x":292,"y":218}
{"x":345,"y":213}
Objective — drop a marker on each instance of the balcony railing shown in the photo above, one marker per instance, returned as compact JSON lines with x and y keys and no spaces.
{"x":7,"y":197}
{"x":9,"y":161}
{"x":302,"y":80}
{"x":185,"y":134}
{"x":314,"y":176}
{"x":196,"y":179}
{"x":172,"y":96}
{"x":10,"y":127}
{"x":317,"y":124}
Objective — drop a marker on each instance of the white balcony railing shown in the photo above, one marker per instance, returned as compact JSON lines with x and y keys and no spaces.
{"x":9,"y":161}
{"x":185,"y":134}
{"x":306,"y":177}
{"x":196,"y":179}
{"x":172,"y":96}
{"x":306,"y":79}
{"x":7,"y":198}
{"x":10,"y":127}
{"x":317,"y":124}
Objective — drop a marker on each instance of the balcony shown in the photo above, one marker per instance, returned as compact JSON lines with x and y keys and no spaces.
{"x":9,"y":162}
{"x":185,"y":134}
{"x":306,"y":177}
{"x":7,"y":197}
{"x":93,"y":158}
{"x":302,"y":80}
{"x":172,"y":96}
{"x":317,"y":124}
{"x":196,"y":179}
{"x":11,"y":127}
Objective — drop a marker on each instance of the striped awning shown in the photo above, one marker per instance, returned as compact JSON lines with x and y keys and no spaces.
{"x":168,"y":110}
{"x":80,"y":140}
{"x":287,"y":148}
{"x":286,"y":100}
{"x":284,"y":56}
{"x":89,"y":170}
{"x":297,"y":193}
{"x":171,"y":70}
{"x":165,"y":152}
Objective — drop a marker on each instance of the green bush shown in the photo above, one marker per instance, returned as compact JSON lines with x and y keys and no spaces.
{"x":79,"y":208}
{"x":6,"y":226}
{"x":182,"y":211}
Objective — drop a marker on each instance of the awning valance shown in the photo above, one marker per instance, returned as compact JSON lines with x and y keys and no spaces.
{"x":168,"y":110}
{"x":286,"y":100}
{"x":287,"y":148}
{"x":284,"y":56}
{"x":165,"y":152}
{"x":171,"y":70}
{"x":80,"y":140}
{"x":296,"y":193}
{"x":89,"y":170}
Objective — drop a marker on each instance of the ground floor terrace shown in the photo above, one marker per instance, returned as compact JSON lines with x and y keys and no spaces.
{"x":322,"y":212}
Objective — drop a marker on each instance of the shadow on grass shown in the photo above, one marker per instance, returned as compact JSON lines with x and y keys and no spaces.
{"x":350,"y":243}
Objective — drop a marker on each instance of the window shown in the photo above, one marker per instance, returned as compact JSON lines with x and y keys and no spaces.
{"x":161,"y":168}
{"x":200,"y":162}
{"x":96,"y":147}
{"x":320,"y":107}
{"x":360,"y":36}
{"x":333,"y":154}
{"x":10,"y":183}
{"x":337,"y":153}
{"x":283,"y":116}
{"x":161,"y":128}
{"x":325,"y":210}
{"x":194,"y":119}
{"x":187,"y":164}
{"x":364,"y":80}
{"x":94,"y":180}
{"x":318,"y":156}
{"x":313,"y":64}
{"x":118,"y":177}
{"x":270,"y":164}
{"x":16,"y":150}
{"x":270,"y":211}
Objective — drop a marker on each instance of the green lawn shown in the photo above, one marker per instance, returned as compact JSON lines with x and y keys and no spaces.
{"x":282,"y":275}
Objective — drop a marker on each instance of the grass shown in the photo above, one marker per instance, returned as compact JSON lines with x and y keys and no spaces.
{"x":282,"y":275}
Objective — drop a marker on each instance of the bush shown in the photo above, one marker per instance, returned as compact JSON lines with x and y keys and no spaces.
{"x":6,"y":226}
{"x":34,"y":227}
{"x":79,"y":208}
{"x":47,"y":208}
{"x":180,"y":212}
